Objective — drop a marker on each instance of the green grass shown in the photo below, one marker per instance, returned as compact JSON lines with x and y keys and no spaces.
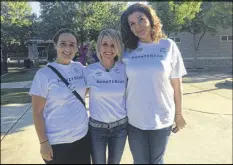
{"x":15,"y":95}
{"x":17,"y":75}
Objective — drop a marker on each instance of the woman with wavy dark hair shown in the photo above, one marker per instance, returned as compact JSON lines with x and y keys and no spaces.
{"x":154,"y":68}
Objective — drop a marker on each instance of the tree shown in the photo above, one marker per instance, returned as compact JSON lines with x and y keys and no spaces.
{"x":212,"y":17}
{"x":15,"y":13}
{"x":220,"y":15}
{"x":15,"y":27}
{"x":15,"y":20}
{"x":35,"y":26}
{"x":104,"y":15}
{"x":56,"y":15}
{"x":86,"y":18}
{"x":174,"y":15}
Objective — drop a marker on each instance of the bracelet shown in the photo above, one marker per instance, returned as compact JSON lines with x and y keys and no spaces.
{"x":44,"y":142}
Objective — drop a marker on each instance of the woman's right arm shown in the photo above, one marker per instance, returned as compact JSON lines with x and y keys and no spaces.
{"x":38,"y":104}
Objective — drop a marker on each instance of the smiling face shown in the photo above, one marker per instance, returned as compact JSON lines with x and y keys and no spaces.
{"x":66,"y":48}
{"x":140,"y":26}
{"x":107,"y":49}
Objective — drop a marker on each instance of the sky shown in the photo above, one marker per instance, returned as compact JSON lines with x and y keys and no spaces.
{"x":36,"y":6}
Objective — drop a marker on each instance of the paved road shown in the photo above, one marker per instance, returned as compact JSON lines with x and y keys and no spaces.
{"x":206,"y":139}
{"x":23,"y":84}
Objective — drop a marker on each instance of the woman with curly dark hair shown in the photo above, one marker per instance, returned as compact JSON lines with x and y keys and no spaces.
{"x":154,"y":68}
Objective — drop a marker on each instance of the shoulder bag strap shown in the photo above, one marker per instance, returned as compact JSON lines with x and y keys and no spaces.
{"x":69,"y":86}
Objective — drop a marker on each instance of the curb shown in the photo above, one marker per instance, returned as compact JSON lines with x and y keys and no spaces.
{"x":4,"y":75}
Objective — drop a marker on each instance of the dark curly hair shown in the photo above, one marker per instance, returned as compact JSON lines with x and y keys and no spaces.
{"x":64,"y":30}
{"x":129,"y":39}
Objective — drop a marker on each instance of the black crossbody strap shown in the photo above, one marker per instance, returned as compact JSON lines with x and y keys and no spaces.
{"x":70,"y":87}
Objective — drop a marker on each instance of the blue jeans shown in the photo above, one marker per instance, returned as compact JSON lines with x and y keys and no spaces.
{"x":148,"y":146}
{"x":115,"y":138}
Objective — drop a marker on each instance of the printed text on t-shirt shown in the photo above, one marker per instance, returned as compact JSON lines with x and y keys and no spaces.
{"x":72,"y":78}
{"x":109,"y":81}
{"x":148,"y":56}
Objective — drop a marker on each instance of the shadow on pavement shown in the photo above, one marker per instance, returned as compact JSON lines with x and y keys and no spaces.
{"x":208,"y":90}
{"x":199,"y":77}
{"x":223,"y":85}
{"x":15,"y":119}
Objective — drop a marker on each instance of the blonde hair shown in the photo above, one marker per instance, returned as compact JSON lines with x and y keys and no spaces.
{"x":115,"y":37}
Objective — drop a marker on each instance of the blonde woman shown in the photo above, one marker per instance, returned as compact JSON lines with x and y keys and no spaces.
{"x":107,"y":82}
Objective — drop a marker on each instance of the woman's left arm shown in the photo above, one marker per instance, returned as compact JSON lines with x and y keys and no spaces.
{"x":179,"y":119}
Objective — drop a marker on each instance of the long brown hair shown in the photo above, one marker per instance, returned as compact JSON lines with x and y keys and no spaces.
{"x":129,"y":39}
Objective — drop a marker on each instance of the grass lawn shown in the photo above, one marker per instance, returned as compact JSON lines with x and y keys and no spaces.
{"x":16,"y":95}
{"x":17,"y":75}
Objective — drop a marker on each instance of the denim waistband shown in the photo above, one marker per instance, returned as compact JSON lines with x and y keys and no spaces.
{"x":98,"y":124}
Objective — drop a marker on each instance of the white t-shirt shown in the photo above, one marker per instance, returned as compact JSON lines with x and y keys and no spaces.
{"x":107,"y":92}
{"x":150,"y":96}
{"x":66,"y":119}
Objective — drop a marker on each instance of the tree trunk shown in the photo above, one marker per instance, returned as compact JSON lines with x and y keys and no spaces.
{"x":4,"y":60}
{"x":195,"y":54}
{"x":196,"y":48}
{"x":195,"y":59}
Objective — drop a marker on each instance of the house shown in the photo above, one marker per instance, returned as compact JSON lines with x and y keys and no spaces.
{"x":215,"y":52}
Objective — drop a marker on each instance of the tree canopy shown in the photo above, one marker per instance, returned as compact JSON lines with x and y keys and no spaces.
{"x":174,"y":15}
{"x":212,"y":17}
{"x":86,"y":18}
{"x":15,"y":22}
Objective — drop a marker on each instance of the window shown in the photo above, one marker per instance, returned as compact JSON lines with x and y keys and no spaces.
{"x":177,"y":40}
{"x":225,"y":38}
{"x":229,"y":38}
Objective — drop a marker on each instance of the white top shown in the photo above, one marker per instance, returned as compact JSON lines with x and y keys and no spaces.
{"x":150,"y":96}
{"x":107,"y":92}
{"x":66,"y":119}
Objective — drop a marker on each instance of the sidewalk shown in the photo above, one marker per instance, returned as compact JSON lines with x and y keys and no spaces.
{"x":22,"y":84}
{"x":207,"y":138}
